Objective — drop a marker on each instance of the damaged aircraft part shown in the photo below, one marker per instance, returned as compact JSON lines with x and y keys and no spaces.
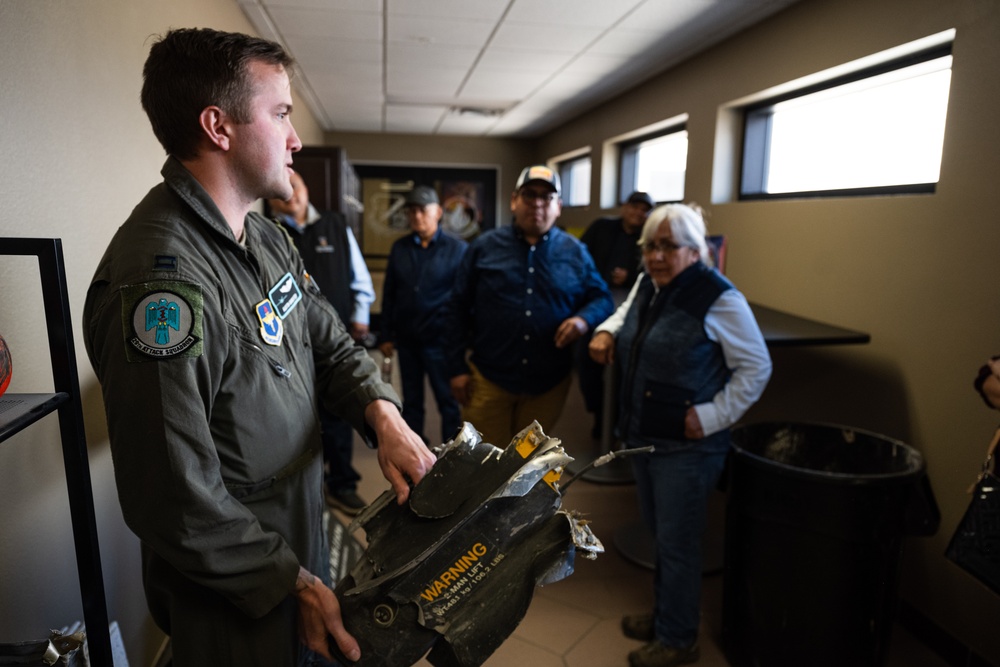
{"x":453,"y":570}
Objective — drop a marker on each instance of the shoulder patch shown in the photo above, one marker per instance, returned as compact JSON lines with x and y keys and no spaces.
{"x":162,"y":320}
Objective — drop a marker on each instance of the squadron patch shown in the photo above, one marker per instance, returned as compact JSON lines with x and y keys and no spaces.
{"x":162,"y":320}
{"x":271,"y":328}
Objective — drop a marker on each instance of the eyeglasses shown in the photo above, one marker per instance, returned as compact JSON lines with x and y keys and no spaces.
{"x":531,"y":196}
{"x":662,"y":246}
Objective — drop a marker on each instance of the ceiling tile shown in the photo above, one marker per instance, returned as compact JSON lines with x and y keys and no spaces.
{"x":354,"y":82}
{"x":353,"y":113}
{"x":593,"y":67}
{"x":542,"y":37}
{"x":469,"y":9}
{"x":429,"y":57}
{"x":625,"y":41}
{"x":497,"y":59}
{"x":317,"y":55}
{"x":515,"y":120}
{"x":455,"y":123}
{"x":361,"y":123}
{"x":417,"y":83}
{"x":400,"y":118}
{"x":340,"y":105}
{"x":373,"y":6}
{"x":327,"y":23}
{"x":544,"y":61}
{"x":561,"y":13}
{"x":510,"y":84}
{"x":667,"y":16}
{"x":438,"y":30}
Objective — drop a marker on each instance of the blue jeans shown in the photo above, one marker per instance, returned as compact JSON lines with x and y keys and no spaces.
{"x":415,"y":362}
{"x":673,"y":489}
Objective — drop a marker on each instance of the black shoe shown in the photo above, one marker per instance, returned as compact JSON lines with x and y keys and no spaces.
{"x":348,"y":502}
{"x":655,"y":654}
{"x":638,"y":626}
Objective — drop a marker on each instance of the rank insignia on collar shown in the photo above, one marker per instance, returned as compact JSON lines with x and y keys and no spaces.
{"x":285,"y":295}
{"x":271,"y":329}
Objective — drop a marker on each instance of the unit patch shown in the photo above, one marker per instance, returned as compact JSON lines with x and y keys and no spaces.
{"x":271,"y":328}
{"x":162,"y":320}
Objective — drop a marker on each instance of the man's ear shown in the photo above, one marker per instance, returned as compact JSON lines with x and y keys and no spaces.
{"x":216,"y":126}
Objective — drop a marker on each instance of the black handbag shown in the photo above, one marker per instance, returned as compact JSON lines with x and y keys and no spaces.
{"x":975,"y":546}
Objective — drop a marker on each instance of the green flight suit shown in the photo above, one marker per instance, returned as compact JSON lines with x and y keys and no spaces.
{"x":210,"y":356}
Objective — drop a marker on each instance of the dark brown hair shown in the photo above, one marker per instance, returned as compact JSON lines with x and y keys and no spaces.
{"x":193,"y":68}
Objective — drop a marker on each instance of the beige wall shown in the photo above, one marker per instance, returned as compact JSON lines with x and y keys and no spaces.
{"x":78,"y":154}
{"x":917,"y":272}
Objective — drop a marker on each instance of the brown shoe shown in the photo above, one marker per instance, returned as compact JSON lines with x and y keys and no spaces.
{"x":655,"y":654}
{"x":638,"y":626}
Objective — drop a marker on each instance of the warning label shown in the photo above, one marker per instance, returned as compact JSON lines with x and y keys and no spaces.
{"x":461,"y":578}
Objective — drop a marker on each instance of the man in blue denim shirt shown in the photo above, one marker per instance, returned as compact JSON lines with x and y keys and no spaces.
{"x":524,"y":293}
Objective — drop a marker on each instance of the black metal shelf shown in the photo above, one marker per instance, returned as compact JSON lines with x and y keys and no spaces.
{"x":18,"y":411}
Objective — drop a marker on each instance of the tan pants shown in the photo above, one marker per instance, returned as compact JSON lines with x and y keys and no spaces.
{"x":499,"y":414}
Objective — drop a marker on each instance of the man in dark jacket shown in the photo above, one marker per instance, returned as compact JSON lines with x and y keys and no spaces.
{"x":419,"y":280}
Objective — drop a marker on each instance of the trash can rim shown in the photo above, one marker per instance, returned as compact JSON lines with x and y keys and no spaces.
{"x":839,"y":477}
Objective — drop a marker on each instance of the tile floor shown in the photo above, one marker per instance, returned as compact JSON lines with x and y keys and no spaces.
{"x":575,"y":622}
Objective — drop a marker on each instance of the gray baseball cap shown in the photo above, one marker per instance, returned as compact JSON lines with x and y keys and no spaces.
{"x":421,"y":196}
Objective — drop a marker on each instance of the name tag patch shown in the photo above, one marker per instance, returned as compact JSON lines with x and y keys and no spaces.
{"x":285,"y":295}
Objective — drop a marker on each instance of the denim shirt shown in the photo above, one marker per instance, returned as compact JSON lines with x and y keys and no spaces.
{"x":510,"y":298}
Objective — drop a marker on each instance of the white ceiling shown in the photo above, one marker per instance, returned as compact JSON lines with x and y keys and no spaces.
{"x":484,"y":67}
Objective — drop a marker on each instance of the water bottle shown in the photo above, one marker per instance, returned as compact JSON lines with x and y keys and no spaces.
{"x":387,"y":369}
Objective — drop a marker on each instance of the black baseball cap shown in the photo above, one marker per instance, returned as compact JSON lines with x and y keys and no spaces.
{"x":641,"y":198}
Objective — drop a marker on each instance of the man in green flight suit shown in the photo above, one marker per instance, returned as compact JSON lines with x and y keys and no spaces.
{"x":211,"y":399}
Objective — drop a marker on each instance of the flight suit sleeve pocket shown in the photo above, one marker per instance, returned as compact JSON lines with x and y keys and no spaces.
{"x":663,"y":409}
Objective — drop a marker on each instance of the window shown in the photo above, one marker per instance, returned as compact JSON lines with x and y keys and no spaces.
{"x":575,"y":177}
{"x":655,"y":164}
{"x":879,"y":130}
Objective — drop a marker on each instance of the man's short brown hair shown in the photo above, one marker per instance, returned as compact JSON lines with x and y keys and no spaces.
{"x":193,"y":68}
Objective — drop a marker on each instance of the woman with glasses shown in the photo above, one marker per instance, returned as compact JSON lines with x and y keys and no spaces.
{"x":692,"y":361}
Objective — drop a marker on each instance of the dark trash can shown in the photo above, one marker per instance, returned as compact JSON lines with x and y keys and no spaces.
{"x":815,"y":520}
